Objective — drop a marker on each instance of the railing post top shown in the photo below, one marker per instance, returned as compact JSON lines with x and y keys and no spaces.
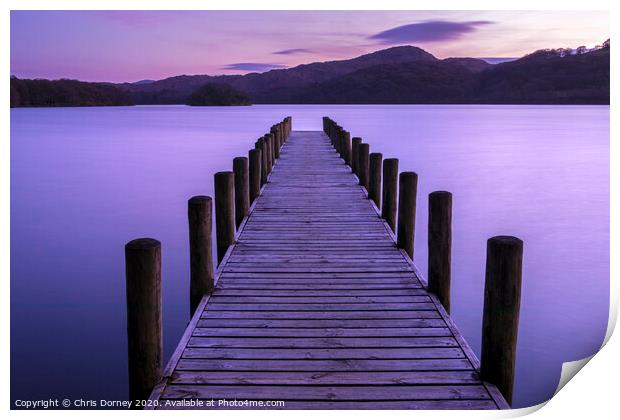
{"x":199,"y":199}
{"x":376,"y":155}
{"x":223,"y":174}
{"x":391,"y":160}
{"x":440,"y":194}
{"x":142,"y":244}
{"x":505,"y":241}
{"x":240,"y":159}
{"x":356,"y":139}
{"x":408,"y":175}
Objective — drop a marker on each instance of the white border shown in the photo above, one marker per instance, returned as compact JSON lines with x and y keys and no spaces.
{"x":593,"y":394}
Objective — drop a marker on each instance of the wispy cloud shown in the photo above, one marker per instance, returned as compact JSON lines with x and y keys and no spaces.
{"x":429,"y":31}
{"x":293,"y":51}
{"x":253,"y":66}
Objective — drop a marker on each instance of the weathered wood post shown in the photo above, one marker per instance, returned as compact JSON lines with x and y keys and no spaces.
{"x":269,"y":151}
{"x":260,"y":145}
{"x":279,"y":134}
{"x":440,"y":245}
{"x":255,"y":173}
{"x":408,"y":187}
{"x":355,"y":142}
{"x":374,"y":178}
{"x":272,"y":140}
{"x":363,"y":151}
{"x":144,"y":333}
{"x":242,"y":188}
{"x":274,"y":133}
{"x":500,"y":323}
{"x":338,"y":139}
{"x":390,"y":191}
{"x":224,"y":212}
{"x":346,"y":147}
{"x":200,"y":217}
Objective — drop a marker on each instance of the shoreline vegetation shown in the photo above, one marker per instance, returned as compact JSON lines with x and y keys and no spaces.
{"x":398,"y":75}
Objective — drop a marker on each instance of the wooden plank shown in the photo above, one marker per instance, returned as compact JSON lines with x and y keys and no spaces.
{"x":321,"y":323}
{"x":310,"y":300}
{"x":325,"y":378}
{"x":319,"y":343}
{"x":227,"y":306}
{"x":321,"y":314}
{"x":335,"y":353}
{"x":322,"y":332}
{"x":329,"y":365}
{"x":368,"y":393}
{"x":346,"y":293}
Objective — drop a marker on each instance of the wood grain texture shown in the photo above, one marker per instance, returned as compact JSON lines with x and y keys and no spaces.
{"x":317,"y":307}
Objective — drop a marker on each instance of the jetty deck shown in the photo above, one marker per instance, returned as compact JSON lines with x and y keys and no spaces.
{"x":314,"y":305}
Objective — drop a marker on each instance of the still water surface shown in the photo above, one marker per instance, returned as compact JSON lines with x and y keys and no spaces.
{"x":86,"y":180}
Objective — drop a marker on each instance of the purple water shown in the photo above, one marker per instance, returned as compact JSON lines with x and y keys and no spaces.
{"x":86,"y":180}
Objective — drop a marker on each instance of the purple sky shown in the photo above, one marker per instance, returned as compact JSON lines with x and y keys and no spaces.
{"x":121,"y":46}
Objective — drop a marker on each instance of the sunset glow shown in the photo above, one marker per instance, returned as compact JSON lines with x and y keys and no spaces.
{"x":119,"y":46}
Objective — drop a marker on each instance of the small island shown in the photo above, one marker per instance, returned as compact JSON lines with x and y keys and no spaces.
{"x":218,"y":94}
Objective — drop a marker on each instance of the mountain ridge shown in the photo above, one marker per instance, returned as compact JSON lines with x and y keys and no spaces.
{"x":398,"y":75}
{"x":408,"y":74}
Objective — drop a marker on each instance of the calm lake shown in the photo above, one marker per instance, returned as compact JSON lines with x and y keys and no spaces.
{"x":84,"y":181}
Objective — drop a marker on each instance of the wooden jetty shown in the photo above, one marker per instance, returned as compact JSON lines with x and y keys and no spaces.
{"x":316,"y":304}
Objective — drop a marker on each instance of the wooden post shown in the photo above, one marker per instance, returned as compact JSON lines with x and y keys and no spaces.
{"x":260,"y":145}
{"x":224,"y":212}
{"x":242,"y":188}
{"x":346,"y":147}
{"x":408,"y":186}
{"x":500,"y":323}
{"x":276,"y":131}
{"x":269,"y":151}
{"x":440,"y":245}
{"x":363,"y":151}
{"x":272,"y":142}
{"x":144,"y":333}
{"x":355,"y":142}
{"x":374,"y":178}
{"x":200,"y":217}
{"x":390,"y":191}
{"x":338,"y":140}
{"x":255,"y":173}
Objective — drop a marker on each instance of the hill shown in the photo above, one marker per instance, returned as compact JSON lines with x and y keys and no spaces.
{"x":51,"y":93}
{"x":399,"y":75}
{"x":411,"y":75}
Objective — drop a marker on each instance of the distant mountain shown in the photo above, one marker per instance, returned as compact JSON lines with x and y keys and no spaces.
{"x":143,"y":82}
{"x":409,"y":74}
{"x":548,"y":77}
{"x":403,"y":75}
{"x":473,"y":64}
{"x":48,"y":93}
{"x":272,"y":85}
